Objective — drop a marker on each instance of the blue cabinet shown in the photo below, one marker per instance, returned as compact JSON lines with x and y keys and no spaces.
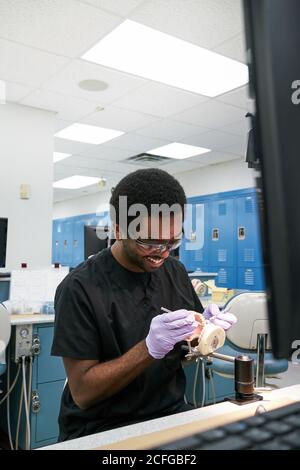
{"x":250,"y":273}
{"x":194,"y":253}
{"x":229,"y":226}
{"x":56,"y":241}
{"x":67,"y":243}
{"x":247,"y":232}
{"x":44,"y":424}
{"x":68,"y":237}
{"x":222,"y":242}
{"x":226,"y":276}
{"x":78,"y":243}
{"x":48,"y":379}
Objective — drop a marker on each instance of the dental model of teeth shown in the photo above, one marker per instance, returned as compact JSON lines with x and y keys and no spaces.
{"x":207,"y":337}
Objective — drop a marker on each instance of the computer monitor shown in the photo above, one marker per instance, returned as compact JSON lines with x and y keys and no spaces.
{"x":273,"y":51}
{"x":3,"y":241}
{"x":95,"y":239}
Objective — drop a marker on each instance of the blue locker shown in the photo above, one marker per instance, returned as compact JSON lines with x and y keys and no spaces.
{"x":251,"y":278}
{"x":222,"y":240}
{"x":56,"y":241}
{"x":194,"y":252}
{"x":78,"y":242}
{"x":248,"y":232}
{"x":226,"y":276}
{"x":67,"y":242}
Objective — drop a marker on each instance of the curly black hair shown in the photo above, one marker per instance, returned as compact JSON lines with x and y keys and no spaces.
{"x":147,"y":187}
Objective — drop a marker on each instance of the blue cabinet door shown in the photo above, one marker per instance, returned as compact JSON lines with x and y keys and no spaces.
{"x":222,"y":233}
{"x":248,"y":232}
{"x":67,"y":243}
{"x":45,"y":422}
{"x":78,"y":243}
{"x":49,"y":368}
{"x":199,"y":253}
{"x":56,"y":241}
{"x":251,"y":278}
{"x":194,"y":253}
{"x":226,"y":276}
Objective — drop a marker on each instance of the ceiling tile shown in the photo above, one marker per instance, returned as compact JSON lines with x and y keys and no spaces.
{"x":240,"y":147}
{"x":137,"y":143}
{"x":65,"y":27}
{"x":106,"y":166}
{"x":68,"y":79}
{"x":27,"y":66}
{"x":240,"y":127}
{"x":213,"y":158}
{"x":215,"y":140}
{"x":107,"y":152}
{"x":234,"y":48}
{"x":171,"y":130}
{"x":206,"y":23}
{"x":181,"y":166}
{"x":212,"y":114}
{"x":159,"y":100}
{"x":70,"y":146}
{"x":67,"y":107}
{"x":15,"y":92}
{"x":119,"y":7}
{"x":120,"y":119}
{"x":238,"y":97}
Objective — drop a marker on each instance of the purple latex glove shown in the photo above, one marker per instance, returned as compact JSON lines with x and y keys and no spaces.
{"x":213,"y":315}
{"x":168,"y":329}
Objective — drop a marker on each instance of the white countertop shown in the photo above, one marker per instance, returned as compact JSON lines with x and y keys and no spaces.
{"x":31,"y":319}
{"x":152,"y":426}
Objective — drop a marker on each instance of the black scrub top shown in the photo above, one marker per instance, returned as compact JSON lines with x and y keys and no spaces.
{"x":103,"y":310}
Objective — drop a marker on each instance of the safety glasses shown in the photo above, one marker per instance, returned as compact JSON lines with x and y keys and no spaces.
{"x":151,"y":246}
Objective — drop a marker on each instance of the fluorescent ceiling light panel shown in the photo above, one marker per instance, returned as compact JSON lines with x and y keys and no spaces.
{"x":88,"y":134}
{"x":148,"y":53}
{"x":75,"y":182}
{"x":58,"y":156}
{"x":178,"y":151}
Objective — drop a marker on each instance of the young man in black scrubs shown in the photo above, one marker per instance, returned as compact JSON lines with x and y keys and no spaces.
{"x":122,"y":355}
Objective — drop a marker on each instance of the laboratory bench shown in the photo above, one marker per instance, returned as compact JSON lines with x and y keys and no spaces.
{"x":154,"y":432}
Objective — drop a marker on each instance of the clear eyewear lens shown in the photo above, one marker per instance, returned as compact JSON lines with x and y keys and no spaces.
{"x":156,"y":246}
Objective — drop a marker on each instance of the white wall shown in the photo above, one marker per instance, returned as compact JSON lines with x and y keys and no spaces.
{"x":26,"y":157}
{"x":91,"y":204}
{"x":207,"y":180}
{"x":217,"y":178}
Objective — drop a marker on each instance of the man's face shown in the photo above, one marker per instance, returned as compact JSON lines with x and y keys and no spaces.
{"x":147,"y":257}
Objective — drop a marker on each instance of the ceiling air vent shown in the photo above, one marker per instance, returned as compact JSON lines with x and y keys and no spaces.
{"x":147,"y":159}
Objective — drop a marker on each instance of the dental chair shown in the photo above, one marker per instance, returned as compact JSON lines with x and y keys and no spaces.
{"x":5,"y":329}
{"x":251,"y":336}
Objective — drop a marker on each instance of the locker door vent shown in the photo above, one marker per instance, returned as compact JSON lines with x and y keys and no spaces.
{"x":222,"y":208}
{"x":249,"y":206}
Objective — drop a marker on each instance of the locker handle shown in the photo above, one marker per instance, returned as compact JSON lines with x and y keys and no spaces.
{"x":215,"y":234}
{"x":241,"y":233}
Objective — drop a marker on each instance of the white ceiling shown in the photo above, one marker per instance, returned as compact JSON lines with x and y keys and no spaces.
{"x":41,"y":43}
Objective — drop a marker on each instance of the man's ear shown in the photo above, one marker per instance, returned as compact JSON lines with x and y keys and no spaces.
{"x":117,"y":232}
